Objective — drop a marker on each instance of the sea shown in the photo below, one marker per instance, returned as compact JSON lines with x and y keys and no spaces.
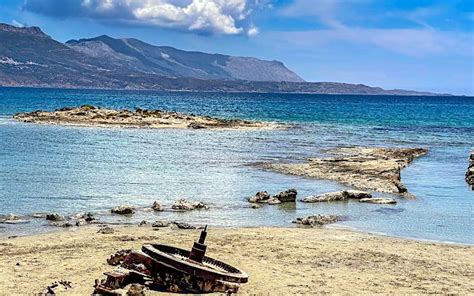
{"x":69,"y":170}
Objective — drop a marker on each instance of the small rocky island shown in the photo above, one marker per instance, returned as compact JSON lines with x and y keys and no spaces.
{"x":88,"y":115}
{"x":375,"y":169}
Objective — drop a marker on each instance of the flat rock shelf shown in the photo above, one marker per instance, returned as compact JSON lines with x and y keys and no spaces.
{"x":88,"y":115}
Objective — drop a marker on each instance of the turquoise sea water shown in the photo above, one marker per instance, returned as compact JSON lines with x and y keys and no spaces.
{"x":75,"y":169}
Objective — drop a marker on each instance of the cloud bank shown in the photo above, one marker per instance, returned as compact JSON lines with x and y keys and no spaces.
{"x":200,"y":16}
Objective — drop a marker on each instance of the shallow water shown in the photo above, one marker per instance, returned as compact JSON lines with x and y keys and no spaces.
{"x":75,"y":169}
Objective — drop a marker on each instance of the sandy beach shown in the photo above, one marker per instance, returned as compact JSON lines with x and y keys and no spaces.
{"x":279,"y":261}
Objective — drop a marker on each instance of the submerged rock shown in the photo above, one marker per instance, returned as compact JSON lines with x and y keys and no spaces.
{"x":337,"y":196}
{"x":260,"y":197}
{"x":273,"y":201}
{"x":389,"y":210}
{"x":123,"y":210}
{"x":317,"y":220}
{"x":379,"y":200}
{"x":287,"y":196}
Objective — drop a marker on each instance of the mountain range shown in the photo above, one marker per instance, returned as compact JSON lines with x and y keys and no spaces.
{"x":31,"y":58}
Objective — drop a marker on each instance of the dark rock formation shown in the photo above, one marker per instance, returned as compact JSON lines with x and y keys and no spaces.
{"x":470,"y":171}
{"x":157,"y":207}
{"x":287,"y":196}
{"x":54,"y":217}
{"x":123,"y":210}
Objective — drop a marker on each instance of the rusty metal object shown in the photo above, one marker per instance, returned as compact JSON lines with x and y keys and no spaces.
{"x":167,"y":268}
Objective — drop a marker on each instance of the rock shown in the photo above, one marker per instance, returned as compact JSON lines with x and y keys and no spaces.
{"x":325,"y":197}
{"x":157,"y":207}
{"x":273,"y":201}
{"x":123,"y":210}
{"x":38,"y":215}
{"x":54,"y":217}
{"x":357,"y":194}
{"x":184,"y":205}
{"x":62,"y":224}
{"x":255,"y":206}
{"x":194,"y":125}
{"x":379,"y":200}
{"x":260,"y":197}
{"x":136,"y":290}
{"x":142,"y":223}
{"x":106,"y":230}
{"x":182,"y":225}
{"x":388,"y":211}
{"x":317,"y":220}
{"x":13,"y":219}
{"x":287,"y":196}
{"x":337,"y":196}
{"x":470,"y":171}
{"x":162,"y":223}
{"x":81,"y":222}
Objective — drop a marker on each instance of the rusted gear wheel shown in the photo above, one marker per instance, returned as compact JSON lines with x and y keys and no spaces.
{"x":209,"y":269}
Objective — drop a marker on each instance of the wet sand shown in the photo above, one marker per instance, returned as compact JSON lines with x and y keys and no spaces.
{"x":279,"y":261}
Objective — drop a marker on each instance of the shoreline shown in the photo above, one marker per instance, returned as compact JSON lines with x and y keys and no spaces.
{"x":290,"y":260}
{"x":50,"y":229}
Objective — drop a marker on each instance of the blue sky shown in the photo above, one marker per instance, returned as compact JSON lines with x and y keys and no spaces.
{"x":421,"y":45}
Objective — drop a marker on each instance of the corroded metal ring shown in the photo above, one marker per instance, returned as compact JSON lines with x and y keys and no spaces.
{"x":210,"y":269}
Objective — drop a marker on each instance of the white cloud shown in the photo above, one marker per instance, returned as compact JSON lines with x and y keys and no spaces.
{"x":252,"y":31}
{"x":201,"y":16}
{"x":17,"y":24}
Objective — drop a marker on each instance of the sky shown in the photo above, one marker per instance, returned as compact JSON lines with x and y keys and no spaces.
{"x":417,"y":44}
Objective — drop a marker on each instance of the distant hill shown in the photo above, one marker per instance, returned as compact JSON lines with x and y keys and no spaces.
{"x":30,"y":58}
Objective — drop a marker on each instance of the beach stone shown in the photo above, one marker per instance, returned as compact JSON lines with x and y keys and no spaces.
{"x":88,"y":217}
{"x":64,"y":224}
{"x":161,"y":223}
{"x":287,"y":196}
{"x":357,"y":194}
{"x":260,"y":197}
{"x":106,"y":230}
{"x":182,"y":225}
{"x":326,"y":197}
{"x":81,"y":222}
{"x":379,"y":200}
{"x":157,"y":207}
{"x":123,"y":210}
{"x":54,"y":217}
{"x":142,"y":223}
{"x":470,"y":171}
{"x":255,"y":206}
{"x":317,"y":220}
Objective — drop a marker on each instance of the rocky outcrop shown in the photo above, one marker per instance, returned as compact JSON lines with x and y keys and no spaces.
{"x":376,"y":169}
{"x":379,"y":200}
{"x":338,"y":196}
{"x":260,"y":197}
{"x":161,"y":223}
{"x":185,"y":205}
{"x":123,"y":210}
{"x":264,"y":197}
{"x":54,"y":217}
{"x":470,"y":171}
{"x":287,"y":195}
{"x":93,"y":116}
{"x":157,"y":207}
{"x":317,"y":220}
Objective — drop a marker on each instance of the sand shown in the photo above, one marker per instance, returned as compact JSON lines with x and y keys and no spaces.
{"x":279,"y":261}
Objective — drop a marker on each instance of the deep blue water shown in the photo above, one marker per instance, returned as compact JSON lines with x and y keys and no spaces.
{"x":74,"y":169}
